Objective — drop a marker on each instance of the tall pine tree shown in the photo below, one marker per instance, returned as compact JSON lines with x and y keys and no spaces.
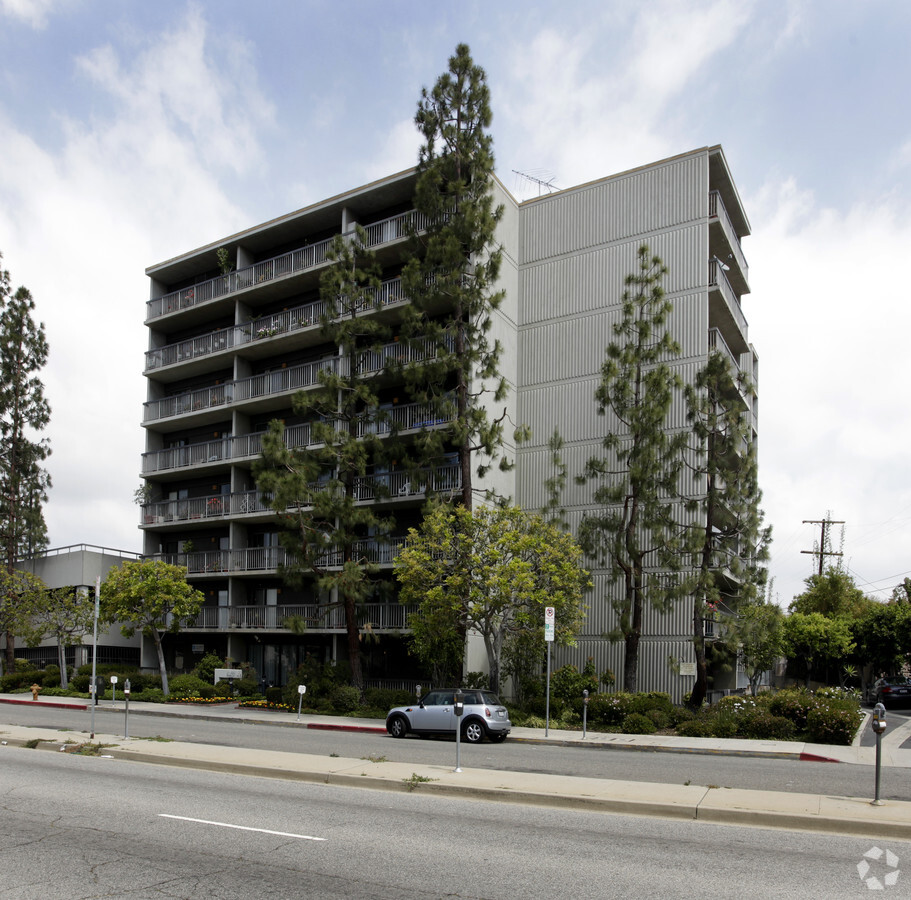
{"x":451,"y":277}
{"x":316,"y":489}
{"x":637,"y":533}
{"x":24,"y":413}
{"x":728,"y":543}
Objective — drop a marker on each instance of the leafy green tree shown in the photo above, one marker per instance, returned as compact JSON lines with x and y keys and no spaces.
{"x":65,"y":614}
{"x":24,"y":413}
{"x":636,"y":479}
{"x":758,"y":631}
{"x":901,"y":593}
{"x":816,"y":639}
{"x":451,"y":277}
{"x":883,"y":637}
{"x":832,"y":594}
{"x":316,"y":489}
{"x":21,"y":594}
{"x":152,"y":597}
{"x":492,"y":570}
{"x":727,"y":541}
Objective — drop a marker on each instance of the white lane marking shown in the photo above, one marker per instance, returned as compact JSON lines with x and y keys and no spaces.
{"x":303,"y":837}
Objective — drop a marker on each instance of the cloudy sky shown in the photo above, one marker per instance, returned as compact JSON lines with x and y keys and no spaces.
{"x":133,"y":131}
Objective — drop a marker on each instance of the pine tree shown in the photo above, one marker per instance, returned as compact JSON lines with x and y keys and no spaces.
{"x":451,"y":278}
{"x":727,"y":541}
{"x":24,"y":413}
{"x":317,"y":489}
{"x":637,"y":533}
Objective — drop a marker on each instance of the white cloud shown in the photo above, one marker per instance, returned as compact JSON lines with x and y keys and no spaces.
{"x":81,"y":223}
{"x":32,"y":12}
{"x":830,"y":319}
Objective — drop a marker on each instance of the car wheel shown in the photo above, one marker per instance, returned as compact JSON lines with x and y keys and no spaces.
{"x":474,"y":732}
{"x":397,"y":727}
{"x":497,"y":737}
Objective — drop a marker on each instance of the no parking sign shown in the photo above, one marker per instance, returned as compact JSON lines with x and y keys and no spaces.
{"x":549,"y":621}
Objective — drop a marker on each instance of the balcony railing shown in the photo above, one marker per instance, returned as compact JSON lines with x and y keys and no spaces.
{"x":446,"y":479}
{"x":718,"y":344}
{"x":270,"y":559}
{"x":391,"y":229}
{"x":718,"y":279}
{"x":282,"y":381}
{"x":379,"y":616}
{"x":285,"y":322}
{"x":718,"y":210}
{"x":248,"y":446}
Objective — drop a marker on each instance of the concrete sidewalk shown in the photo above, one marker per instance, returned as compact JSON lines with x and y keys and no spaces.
{"x":893,"y":755}
{"x":770,"y":809}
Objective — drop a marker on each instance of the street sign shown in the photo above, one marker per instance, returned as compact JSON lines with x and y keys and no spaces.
{"x":549,"y":622}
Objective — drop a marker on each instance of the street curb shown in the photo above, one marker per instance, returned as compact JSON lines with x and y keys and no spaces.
{"x":710,"y":808}
{"x":50,"y":703}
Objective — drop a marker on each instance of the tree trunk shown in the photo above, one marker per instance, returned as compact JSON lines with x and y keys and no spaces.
{"x":700,"y":686}
{"x":354,"y":643}
{"x":61,"y":658}
{"x":161,"y":666}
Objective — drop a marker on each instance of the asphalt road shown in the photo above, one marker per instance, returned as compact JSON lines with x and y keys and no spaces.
{"x":673,"y":768}
{"x":87,"y":827}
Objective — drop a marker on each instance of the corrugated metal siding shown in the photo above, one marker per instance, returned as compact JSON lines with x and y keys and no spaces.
{"x":619,"y":208}
{"x":593,"y":279}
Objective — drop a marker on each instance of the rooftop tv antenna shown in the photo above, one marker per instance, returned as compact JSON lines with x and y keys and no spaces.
{"x":540,"y":182}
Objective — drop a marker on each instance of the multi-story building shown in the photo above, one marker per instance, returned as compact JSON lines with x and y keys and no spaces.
{"x":229,"y":349}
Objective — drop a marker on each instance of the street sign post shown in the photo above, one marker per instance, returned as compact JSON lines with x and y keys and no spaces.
{"x":550,"y":620}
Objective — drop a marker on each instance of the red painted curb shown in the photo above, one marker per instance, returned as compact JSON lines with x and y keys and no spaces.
{"x":812,"y":757}
{"x":44,"y":703}
{"x":368,"y":729}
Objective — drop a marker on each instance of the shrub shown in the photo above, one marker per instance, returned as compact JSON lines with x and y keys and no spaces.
{"x":534,"y":722}
{"x":762,"y":725}
{"x":793,"y":705}
{"x":477,"y":680}
{"x":274,"y":695}
{"x":205,"y":668}
{"x":345,"y":698}
{"x":609,"y":709}
{"x":681,"y":714}
{"x":246,"y":687}
{"x":386,"y":698}
{"x":695,"y":728}
{"x":51,"y":676}
{"x":636,"y":723}
{"x":833,"y":723}
{"x":567,"y":683}
{"x":723,"y":724}
{"x":569,"y":718}
{"x":187,"y":685}
{"x":659,"y":717}
{"x":153,"y":695}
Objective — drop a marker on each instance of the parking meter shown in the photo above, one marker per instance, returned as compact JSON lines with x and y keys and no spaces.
{"x":126,"y":688}
{"x":114,"y":688}
{"x":418,"y":691}
{"x":879,"y":718}
{"x":458,"y":708}
{"x":126,"y":708}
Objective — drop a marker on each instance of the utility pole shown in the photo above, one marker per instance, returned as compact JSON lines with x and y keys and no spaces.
{"x":822,"y":553}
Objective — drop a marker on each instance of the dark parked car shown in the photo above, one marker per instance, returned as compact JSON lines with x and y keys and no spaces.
{"x":892,"y":691}
{"x":484,"y":716}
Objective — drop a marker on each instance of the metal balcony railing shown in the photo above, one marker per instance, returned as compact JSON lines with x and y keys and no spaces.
{"x":270,"y":559}
{"x":265,"y":327}
{"x":391,"y":229}
{"x":718,"y":279}
{"x":718,"y":210}
{"x":380,"y":616}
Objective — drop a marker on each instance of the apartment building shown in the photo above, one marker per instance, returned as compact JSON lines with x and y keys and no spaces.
{"x":230,"y":346}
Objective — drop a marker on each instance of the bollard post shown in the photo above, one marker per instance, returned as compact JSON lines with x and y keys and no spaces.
{"x":584,"y":713}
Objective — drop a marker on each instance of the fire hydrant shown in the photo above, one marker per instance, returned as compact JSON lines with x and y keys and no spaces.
{"x":35,"y":690}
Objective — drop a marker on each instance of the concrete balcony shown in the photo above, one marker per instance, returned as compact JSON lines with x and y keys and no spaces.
{"x":725,"y":313}
{"x":266,"y":330}
{"x":378,"y":616}
{"x":724,"y":243}
{"x":268,"y":560}
{"x":285,"y":266}
{"x":370,"y":488}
